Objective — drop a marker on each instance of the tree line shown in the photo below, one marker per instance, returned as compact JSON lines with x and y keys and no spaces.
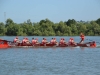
{"x":46,"y":27}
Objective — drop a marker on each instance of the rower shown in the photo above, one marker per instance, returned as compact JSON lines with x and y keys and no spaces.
{"x":23,"y":41}
{"x":82,"y":37}
{"x":61,"y":41}
{"x":37,"y":41}
{"x":52,"y":41}
{"x":16,"y":40}
{"x":43,"y":41}
{"x":27,"y":41}
{"x":93,"y":44}
{"x":46,"y":40}
{"x":71,"y":41}
{"x":64,"y":41}
{"x":33,"y":41}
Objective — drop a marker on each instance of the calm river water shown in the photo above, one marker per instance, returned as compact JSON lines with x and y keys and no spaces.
{"x":50,"y":61}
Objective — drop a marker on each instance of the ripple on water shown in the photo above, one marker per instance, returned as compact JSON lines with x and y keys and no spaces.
{"x":49,"y":61}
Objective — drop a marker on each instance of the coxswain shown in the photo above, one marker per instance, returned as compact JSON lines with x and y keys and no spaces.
{"x":82,"y":37}
{"x":93,"y":44}
{"x":16,"y":40}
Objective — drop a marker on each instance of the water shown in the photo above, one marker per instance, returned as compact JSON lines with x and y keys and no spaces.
{"x":50,"y":61}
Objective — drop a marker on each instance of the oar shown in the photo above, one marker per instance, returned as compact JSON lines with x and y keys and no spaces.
{"x":6,"y":41}
{"x":31,"y":44}
{"x":92,"y":40}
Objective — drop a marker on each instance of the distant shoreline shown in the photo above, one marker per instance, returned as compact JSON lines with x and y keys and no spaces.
{"x":48,"y":28}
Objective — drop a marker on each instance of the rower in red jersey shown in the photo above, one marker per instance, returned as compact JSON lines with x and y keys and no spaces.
{"x":26,"y":41}
{"x":64,"y":42}
{"x":46,"y":40}
{"x":52,"y":41}
{"x":43,"y":41}
{"x":61,"y":41}
{"x":35,"y":41}
{"x":71,"y":41}
{"x":23,"y":41}
{"x":93,"y":44}
{"x":82,"y":37}
{"x":16,"y":40}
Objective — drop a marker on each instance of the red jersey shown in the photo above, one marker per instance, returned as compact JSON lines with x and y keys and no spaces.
{"x":52,"y":41}
{"x":71,"y":41}
{"x":61,"y":42}
{"x":15,"y":40}
{"x":82,"y":37}
{"x":93,"y":45}
{"x":43,"y":42}
{"x":24,"y":41}
{"x":33,"y":41}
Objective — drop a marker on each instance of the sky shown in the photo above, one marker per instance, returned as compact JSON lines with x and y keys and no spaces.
{"x":55,"y":10}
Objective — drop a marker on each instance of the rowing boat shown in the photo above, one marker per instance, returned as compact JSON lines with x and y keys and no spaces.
{"x":6,"y":44}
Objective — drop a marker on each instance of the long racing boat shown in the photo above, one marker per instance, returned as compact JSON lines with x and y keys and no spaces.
{"x":9,"y":44}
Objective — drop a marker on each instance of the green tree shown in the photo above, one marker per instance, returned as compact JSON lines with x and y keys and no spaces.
{"x":70,"y":21}
{"x":9,"y":22}
{"x":47,"y":28}
{"x":98,"y":21}
{"x":2,"y":29}
{"x":74,"y":29}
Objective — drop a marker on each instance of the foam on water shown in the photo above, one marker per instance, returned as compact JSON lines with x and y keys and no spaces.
{"x":98,"y":46}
